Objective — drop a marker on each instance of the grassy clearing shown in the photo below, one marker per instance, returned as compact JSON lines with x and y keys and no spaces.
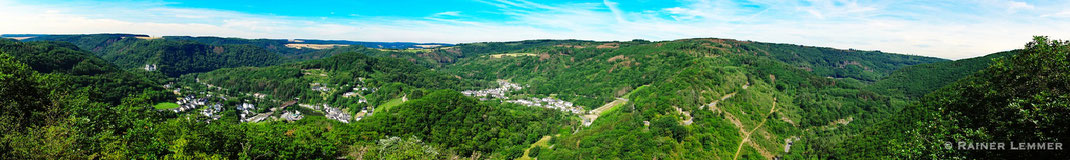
{"x":166,"y":105}
{"x":390,"y":104}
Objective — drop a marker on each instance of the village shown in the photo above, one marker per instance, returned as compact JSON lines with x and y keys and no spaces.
{"x":210,"y":105}
{"x":505,"y":87}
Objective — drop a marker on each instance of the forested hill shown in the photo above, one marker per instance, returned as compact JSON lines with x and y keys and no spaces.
{"x":77,"y":69}
{"x":822,"y":61}
{"x":339,"y":73}
{"x":175,"y":58}
{"x":274,"y":45}
{"x":838,"y":63}
{"x":916,"y":81}
{"x":171,"y":57}
{"x":598,"y":71}
{"x":1022,"y":97}
{"x":62,"y":57}
{"x":291,"y":48}
{"x":686,"y":99}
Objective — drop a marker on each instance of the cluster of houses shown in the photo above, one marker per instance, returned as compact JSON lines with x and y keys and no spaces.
{"x":212,"y":111}
{"x":504,"y":87}
{"x":331,"y":112}
{"x":548,"y":102}
{"x":248,"y":112}
{"x":246,"y":109}
{"x":337,"y":114}
{"x":189,"y":102}
{"x":319,"y":87}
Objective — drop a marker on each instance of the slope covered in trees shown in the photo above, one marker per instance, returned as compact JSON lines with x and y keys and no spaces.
{"x":175,"y":58}
{"x":467,"y":126}
{"x":916,"y":81}
{"x":829,"y":62}
{"x":172,"y":57}
{"x":672,"y":117}
{"x":81,"y":69}
{"x":292,"y":80}
{"x":60,"y":104}
{"x":1018,"y":98}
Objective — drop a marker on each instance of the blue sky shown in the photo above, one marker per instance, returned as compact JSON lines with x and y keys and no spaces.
{"x":946,"y":29}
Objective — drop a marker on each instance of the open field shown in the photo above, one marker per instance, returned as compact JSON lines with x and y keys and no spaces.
{"x":166,"y":105}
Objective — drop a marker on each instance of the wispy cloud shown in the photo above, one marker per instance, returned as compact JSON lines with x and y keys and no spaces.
{"x":450,"y":13}
{"x":613,"y":8}
{"x":947,"y":29}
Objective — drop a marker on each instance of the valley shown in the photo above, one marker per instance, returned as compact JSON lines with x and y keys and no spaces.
{"x":704,"y":98}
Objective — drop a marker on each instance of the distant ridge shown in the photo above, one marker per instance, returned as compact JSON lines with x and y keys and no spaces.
{"x":203,"y":39}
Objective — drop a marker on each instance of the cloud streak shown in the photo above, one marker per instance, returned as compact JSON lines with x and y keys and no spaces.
{"x":946,"y":29}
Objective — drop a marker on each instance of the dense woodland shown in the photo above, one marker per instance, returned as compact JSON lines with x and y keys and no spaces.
{"x":90,"y":97}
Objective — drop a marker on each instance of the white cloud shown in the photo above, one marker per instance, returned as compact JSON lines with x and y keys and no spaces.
{"x":1063,"y":14}
{"x":1013,"y":6}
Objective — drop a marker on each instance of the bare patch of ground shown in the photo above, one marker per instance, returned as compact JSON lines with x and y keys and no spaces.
{"x":511,"y":55}
{"x":842,"y":121}
{"x":314,"y":46}
{"x":687,"y":114}
{"x":618,"y":57}
{"x":593,"y":114}
{"x":147,"y":37}
{"x":19,"y":38}
{"x":607,"y":45}
{"x":570,"y":46}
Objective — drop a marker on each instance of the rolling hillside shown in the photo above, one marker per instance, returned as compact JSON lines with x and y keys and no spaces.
{"x":698,"y":98}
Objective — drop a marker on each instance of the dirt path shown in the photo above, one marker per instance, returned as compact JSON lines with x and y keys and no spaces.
{"x":728,"y":115}
{"x":593,"y":114}
{"x":714,"y":104}
{"x":544,"y":141}
{"x":746,"y":137}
